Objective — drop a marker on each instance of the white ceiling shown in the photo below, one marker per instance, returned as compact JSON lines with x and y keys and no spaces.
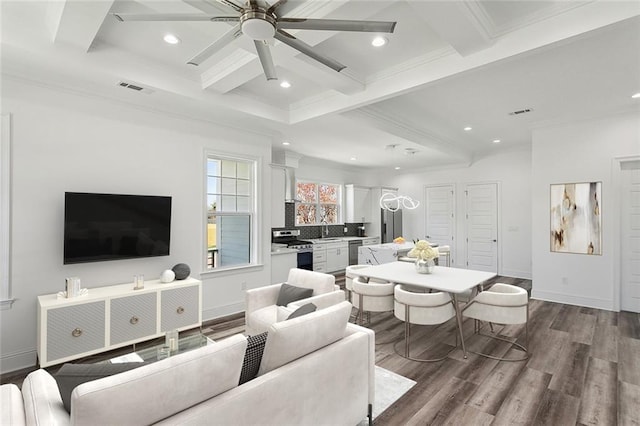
{"x":448,"y":64}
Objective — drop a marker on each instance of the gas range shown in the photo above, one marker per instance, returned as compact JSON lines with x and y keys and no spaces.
{"x":289,"y":237}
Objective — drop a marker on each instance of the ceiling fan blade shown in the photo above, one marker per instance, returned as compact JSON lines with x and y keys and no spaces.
{"x":173,"y":17}
{"x":265,"y":59}
{"x":303,"y":47}
{"x":214,"y":47}
{"x":274,"y":6}
{"x":232,"y":4}
{"x":336,"y":25}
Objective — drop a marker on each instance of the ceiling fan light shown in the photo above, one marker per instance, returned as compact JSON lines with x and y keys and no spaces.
{"x":379,"y":41}
{"x":285,"y":84}
{"x":171,"y":39}
{"x":258,"y":29}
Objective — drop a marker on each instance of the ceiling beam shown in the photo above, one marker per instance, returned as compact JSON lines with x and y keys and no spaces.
{"x":78,"y":22}
{"x":454,"y":23}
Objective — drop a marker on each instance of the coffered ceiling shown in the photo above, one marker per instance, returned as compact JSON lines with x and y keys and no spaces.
{"x":448,"y":65}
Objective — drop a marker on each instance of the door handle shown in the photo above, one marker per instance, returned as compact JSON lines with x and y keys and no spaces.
{"x":495,"y":241}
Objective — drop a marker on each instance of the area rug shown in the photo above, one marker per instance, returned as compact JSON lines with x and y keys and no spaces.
{"x":389,"y":388}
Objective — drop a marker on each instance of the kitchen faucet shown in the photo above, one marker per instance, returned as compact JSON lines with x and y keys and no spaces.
{"x":325,"y":228}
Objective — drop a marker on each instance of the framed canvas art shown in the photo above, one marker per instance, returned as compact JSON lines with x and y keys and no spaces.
{"x":576,"y":218}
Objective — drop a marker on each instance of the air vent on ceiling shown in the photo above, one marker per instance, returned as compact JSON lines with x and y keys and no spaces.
{"x":134,"y":87}
{"x":522,"y":111}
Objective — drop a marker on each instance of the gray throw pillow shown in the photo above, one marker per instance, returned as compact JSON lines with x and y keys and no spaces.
{"x":252,"y":357}
{"x":289,"y":293}
{"x":71,"y":375}
{"x":303,"y":310}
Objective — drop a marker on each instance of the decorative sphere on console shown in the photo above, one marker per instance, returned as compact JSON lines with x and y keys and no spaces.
{"x":167,"y":276}
{"x":182,"y":271}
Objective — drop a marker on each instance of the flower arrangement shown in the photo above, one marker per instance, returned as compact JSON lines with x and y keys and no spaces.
{"x":423,"y":250}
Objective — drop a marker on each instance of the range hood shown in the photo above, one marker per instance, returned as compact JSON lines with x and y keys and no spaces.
{"x":290,"y":185}
{"x":289,"y":162}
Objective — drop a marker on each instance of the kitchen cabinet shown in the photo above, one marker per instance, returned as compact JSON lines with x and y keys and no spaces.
{"x":278,"y":182}
{"x":358,"y":204}
{"x":320,"y":257}
{"x":337,"y":256}
{"x":370,"y":241}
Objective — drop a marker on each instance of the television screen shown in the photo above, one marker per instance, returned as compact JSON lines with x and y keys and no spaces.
{"x":110,"y":226}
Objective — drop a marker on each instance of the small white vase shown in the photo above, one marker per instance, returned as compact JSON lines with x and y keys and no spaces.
{"x":425,"y":266}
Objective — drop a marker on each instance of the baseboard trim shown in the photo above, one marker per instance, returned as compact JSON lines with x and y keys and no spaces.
{"x":516,"y":274}
{"x":222,"y":311}
{"x":570,"y":299}
{"x":18,"y":361}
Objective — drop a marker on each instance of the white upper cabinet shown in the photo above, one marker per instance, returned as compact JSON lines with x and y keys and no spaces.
{"x":278,"y":195}
{"x":359,"y":207}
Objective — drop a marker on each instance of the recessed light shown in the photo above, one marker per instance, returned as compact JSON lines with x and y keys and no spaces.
{"x":285,"y":84}
{"x":171,"y":39}
{"x":379,"y":41}
{"x":286,"y":143}
{"x":466,"y":129}
{"x":496,"y":141}
{"x":353,"y":158}
{"x":397,"y":168}
{"x":636,"y":95}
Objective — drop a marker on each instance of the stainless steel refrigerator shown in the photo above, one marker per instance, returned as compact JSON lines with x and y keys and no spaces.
{"x":391,"y":225}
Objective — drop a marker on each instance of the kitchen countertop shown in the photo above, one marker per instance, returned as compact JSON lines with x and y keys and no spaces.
{"x":336,"y":239}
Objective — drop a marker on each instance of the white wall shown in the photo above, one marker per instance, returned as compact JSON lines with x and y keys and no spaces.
{"x":511,"y":170}
{"x":580,"y":152}
{"x":64,"y":142}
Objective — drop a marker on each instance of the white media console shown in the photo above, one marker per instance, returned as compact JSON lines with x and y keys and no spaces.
{"x":114,"y":316}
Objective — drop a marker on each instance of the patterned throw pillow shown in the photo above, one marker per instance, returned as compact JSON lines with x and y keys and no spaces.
{"x":252,"y":357}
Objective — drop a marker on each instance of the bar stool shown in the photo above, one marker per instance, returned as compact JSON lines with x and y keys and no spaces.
{"x":444,"y":252}
{"x":501,"y":304}
{"x":372,"y":296}
{"x":423,"y":309}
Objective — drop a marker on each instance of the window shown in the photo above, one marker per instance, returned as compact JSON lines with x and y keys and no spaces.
{"x":319,"y":203}
{"x":230,"y":211}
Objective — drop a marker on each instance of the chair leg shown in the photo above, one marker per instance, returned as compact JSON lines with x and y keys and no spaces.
{"x":407,"y":342}
{"x":513,"y":342}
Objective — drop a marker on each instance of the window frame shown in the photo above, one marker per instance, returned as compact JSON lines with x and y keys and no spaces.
{"x":255,"y":166}
{"x":318,"y":203}
{"x":6,"y":299}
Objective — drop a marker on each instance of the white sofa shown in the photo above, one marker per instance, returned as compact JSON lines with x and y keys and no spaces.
{"x":316,"y":369}
{"x":262,"y":311}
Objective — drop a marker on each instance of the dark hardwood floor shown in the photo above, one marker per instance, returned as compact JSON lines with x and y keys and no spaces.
{"x":584,"y":369}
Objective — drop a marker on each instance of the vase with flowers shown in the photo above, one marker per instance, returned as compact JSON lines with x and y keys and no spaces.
{"x":425,"y":256}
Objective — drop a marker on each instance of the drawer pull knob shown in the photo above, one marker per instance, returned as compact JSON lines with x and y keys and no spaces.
{"x":134,"y":320}
{"x":180,"y":310}
{"x":77,"y":332}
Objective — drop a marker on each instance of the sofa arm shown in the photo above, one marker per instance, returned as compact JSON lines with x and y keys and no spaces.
{"x":355,"y":328}
{"x":321,"y":301}
{"x":42,"y":401}
{"x":12,"y":405}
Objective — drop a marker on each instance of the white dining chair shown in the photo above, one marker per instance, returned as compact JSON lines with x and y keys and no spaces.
{"x":501,"y":304}
{"x":349,"y":276}
{"x":422,"y":309}
{"x":371,"y":296}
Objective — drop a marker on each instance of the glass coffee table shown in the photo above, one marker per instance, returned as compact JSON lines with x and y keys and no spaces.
{"x":161,"y":351}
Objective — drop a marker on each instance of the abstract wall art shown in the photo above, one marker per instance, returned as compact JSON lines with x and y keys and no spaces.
{"x":576,"y":218}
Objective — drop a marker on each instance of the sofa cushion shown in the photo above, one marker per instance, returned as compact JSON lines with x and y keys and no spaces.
{"x":290,"y":340}
{"x":71,"y":375}
{"x":42,"y":402}
{"x":289,"y":293}
{"x":12,"y":405}
{"x":305,"y":309}
{"x":165,"y":387}
{"x":252,"y":357}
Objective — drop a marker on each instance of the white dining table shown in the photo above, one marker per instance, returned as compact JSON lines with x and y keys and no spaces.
{"x":454,"y":281}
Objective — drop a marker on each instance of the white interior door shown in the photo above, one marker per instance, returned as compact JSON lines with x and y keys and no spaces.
{"x":630,"y":238}
{"x":482,"y":227}
{"x":439,"y":216}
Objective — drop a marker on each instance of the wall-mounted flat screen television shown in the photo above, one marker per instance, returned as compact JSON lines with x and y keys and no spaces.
{"x":101,"y":227}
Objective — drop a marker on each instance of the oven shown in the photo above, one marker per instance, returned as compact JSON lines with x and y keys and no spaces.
{"x":304,"y":248}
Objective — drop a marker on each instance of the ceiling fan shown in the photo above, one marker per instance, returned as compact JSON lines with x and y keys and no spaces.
{"x":262,"y":22}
